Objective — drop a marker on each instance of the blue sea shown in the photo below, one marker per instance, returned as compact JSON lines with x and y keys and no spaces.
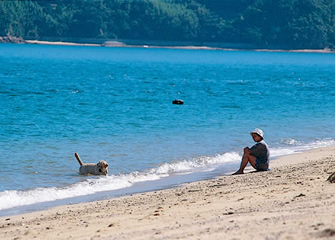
{"x":115,"y":104}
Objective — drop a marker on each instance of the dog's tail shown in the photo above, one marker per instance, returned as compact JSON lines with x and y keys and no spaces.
{"x":78,"y":158}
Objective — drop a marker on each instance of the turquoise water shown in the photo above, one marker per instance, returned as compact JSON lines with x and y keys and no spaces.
{"x":116,"y":104}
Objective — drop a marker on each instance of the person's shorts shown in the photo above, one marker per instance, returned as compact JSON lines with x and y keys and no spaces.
{"x":262,"y":167}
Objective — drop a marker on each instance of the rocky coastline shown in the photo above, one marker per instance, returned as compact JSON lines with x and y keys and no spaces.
{"x":11,"y":39}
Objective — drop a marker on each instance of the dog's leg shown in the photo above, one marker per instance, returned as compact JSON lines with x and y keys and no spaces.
{"x":78,"y":158}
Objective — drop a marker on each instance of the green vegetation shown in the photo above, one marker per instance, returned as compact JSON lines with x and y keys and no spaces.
{"x":287,"y":24}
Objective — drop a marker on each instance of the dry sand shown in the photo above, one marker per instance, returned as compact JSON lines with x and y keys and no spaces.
{"x":292,"y":201}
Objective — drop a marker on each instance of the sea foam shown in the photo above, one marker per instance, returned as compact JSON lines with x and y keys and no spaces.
{"x":13,"y":198}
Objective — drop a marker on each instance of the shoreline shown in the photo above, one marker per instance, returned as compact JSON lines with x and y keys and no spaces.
{"x":190,"y":47}
{"x":293,"y":200}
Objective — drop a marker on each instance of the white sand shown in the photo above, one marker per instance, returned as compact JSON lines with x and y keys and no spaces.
{"x":61,"y":43}
{"x":121,"y":44}
{"x":292,"y":201}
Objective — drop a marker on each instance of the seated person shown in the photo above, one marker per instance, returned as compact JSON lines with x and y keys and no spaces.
{"x":257,"y":155}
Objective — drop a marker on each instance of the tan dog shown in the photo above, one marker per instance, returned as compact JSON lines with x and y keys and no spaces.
{"x":100,"y":168}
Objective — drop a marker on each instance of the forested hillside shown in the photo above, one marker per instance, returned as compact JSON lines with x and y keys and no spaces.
{"x":287,"y":24}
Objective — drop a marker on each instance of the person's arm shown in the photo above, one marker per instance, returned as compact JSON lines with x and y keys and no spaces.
{"x":247,"y":151}
{"x":257,"y":150}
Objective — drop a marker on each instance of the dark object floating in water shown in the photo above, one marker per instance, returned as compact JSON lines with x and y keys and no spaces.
{"x":178,"y":101}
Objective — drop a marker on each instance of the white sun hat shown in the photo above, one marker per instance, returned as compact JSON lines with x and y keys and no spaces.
{"x":258,"y":131}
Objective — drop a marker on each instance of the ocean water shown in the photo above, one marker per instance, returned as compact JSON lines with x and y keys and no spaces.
{"x":115,"y":104}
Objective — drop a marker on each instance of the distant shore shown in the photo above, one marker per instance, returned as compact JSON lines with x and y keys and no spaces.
{"x":61,"y":43}
{"x":153,"y":44}
{"x":292,"y":201}
{"x":120,"y":44}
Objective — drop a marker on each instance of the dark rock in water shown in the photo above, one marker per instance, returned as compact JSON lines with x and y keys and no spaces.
{"x":331,"y":178}
{"x":178,"y":102}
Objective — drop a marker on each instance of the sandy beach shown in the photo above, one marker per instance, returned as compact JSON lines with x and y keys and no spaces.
{"x":121,"y":44}
{"x":292,"y":201}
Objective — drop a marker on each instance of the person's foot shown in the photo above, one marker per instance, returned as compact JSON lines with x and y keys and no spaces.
{"x":238,"y":173}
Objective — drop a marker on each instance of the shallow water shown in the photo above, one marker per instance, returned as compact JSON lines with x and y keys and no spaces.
{"x":116,"y":104}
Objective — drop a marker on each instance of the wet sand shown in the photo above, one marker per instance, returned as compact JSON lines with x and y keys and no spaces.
{"x":292,"y":201}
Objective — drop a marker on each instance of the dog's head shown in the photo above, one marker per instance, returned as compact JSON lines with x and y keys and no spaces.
{"x":103,"y":167}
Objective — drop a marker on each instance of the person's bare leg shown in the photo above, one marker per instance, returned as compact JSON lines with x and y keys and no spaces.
{"x":245,"y":159}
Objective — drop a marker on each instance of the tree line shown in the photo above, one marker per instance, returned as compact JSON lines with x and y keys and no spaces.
{"x":289,"y":24}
